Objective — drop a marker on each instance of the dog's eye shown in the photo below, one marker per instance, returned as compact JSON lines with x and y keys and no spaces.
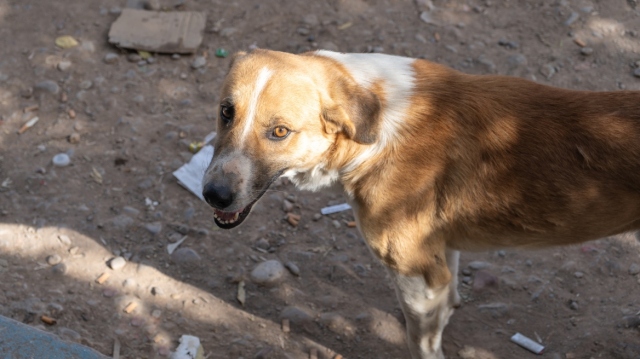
{"x":226,"y":113}
{"x":280,"y":133}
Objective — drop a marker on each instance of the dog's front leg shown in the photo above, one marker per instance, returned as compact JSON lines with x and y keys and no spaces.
{"x":427,"y":310}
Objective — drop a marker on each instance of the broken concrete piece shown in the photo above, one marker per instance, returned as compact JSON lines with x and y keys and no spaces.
{"x":155,"y":31}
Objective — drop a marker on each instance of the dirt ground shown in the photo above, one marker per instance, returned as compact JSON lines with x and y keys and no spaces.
{"x":126,"y":124}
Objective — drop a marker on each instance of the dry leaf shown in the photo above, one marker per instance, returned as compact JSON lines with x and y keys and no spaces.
{"x":242,"y":294}
{"x":96,"y":175}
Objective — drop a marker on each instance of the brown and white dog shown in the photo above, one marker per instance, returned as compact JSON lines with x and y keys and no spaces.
{"x":432,"y":161}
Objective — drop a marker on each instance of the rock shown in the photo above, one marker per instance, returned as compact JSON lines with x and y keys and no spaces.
{"x":64,"y":239}
{"x":47,"y":86}
{"x":263,"y":244}
{"x":293,"y":268}
{"x":329,"y":46}
{"x":111,"y":58}
{"x":311,"y":20}
{"x":287,"y":206}
{"x":59,"y":269}
{"x":573,"y":304}
{"x":317,"y":216}
{"x":158,"y":31}
{"x":336,"y":323}
{"x":64,"y":65}
{"x":146,"y":183}
{"x":476,"y":265}
{"x":158,"y":292}
{"x":508,"y":44}
{"x":336,"y":223}
{"x":4,"y":263}
{"x":130,"y":211}
{"x":572,"y":18}
{"x":153,"y":228}
{"x":268,"y":273}
{"x":516,"y":60}
{"x":634,"y":269}
{"x":296,"y":315}
{"x":303,"y":31}
{"x":578,"y":274}
{"x":636,"y":72}
{"x":586,"y":51}
{"x":548,"y":71}
{"x":156,"y":313}
{"x":74,"y":138}
{"x":53,"y":259}
{"x":61,"y":160}
{"x":122,"y":221}
{"x":483,"y":280}
{"x":198,"y":62}
{"x":117,"y":263}
{"x":129,"y":283}
{"x":185,"y":255}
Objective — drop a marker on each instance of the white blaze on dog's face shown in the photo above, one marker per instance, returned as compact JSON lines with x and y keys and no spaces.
{"x":272,"y":122}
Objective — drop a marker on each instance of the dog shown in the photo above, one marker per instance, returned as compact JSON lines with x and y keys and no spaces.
{"x":432,"y":161}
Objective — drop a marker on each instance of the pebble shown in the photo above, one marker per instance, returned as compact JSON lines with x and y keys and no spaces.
{"x":548,"y":71}
{"x":185,"y":255}
{"x":156,"y":313}
{"x":262,"y":243}
{"x":636,"y":72}
{"x":476,"y":265}
{"x":122,"y":221}
{"x":176,"y":57}
{"x":586,"y":51}
{"x":508,"y":44}
{"x":572,"y":18}
{"x":484,"y":279}
{"x":61,"y":160}
{"x":117,"y":263}
{"x":129,"y":283}
{"x":268,"y":273}
{"x":158,"y":292}
{"x":74,"y":138}
{"x":198,"y":62}
{"x":48,"y":86}
{"x":111,"y":58}
{"x":59,"y":268}
{"x":134,"y":58}
{"x":311,"y":20}
{"x":578,"y":274}
{"x":86,"y":84}
{"x":4,"y":263}
{"x":54,"y":259}
{"x":634,"y":269}
{"x":303,"y":31}
{"x":64,"y":65}
{"x":296,"y":315}
{"x":130,"y":211}
{"x":287,"y":206}
{"x":573,"y":305}
{"x":153,"y":228}
{"x":64,"y":239}
{"x":293,"y":268}
{"x":336,"y":223}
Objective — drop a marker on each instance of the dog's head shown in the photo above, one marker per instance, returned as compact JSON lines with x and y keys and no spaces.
{"x":283,"y":114}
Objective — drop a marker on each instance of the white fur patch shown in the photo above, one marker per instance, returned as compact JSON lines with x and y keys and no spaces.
{"x":261,"y":82}
{"x":398,"y":79}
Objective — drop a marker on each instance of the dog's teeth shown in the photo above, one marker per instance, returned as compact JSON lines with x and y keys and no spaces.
{"x":235,"y":218}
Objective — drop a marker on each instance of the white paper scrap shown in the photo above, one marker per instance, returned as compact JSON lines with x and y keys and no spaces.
{"x":190,"y":174}
{"x":527,"y":343}
{"x":336,"y":208}
{"x":189,"y":348}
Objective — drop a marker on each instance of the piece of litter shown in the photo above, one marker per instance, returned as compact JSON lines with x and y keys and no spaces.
{"x":527,"y":343}
{"x":28,"y":125}
{"x":130,"y":307}
{"x":116,"y":349}
{"x":66,"y":42}
{"x":173,"y":246}
{"x":190,"y":174}
{"x":335,"y":209}
{"x":242,"y":294}
{"x":176,"y":32}
{"x":103,"y":278}
{"x":48,"y":320}
{"x":189,"y":348}
{"x":286,"y":326}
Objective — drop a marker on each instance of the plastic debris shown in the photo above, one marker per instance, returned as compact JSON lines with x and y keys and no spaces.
{"x":335,"y":209}
{"x":173,"y":246}
{"x":189,"y":348}
{"x":527,"y":343}
{"x":66,"y":42}
{"x":61,"y":160}
{"x":222,"y":53}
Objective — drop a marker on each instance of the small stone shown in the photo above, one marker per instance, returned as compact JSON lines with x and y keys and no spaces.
{"x":61,"y":160}
{"x":130,"y":211}
{"x":296,"y":315}
{"x":64,"y":65}
{"x":122,"y":221}
{"x":129,"y":283}
{"x":268,"y":273}
{"x":135,"y":58}
{"x":48,"y":86}
{"x":336,"y":223}
{"x":578,"y":274}
{"x":185,"y":255}
{"x":158,"y":292}
{"x":4,"y":263}
{"x":516,"y":60}
{"x":573,"y":305}
{"x":156,"y":313}
{"x":176,"y":57}
{"x":287,"y":206}
{"x":53,"y":259}
{"x":634,"y":269}
{"x":303,"y":31}
{"x":508,"y":44}
{"x":59,"y":269}
{"x":311,"y":20}
{"x":111,"y":58}
{"x":572,"y":18}
{"x":262,"y":243}
{"x":74,"y":138}
{"x":466,"y":271}
{"x":636,"y":72}
{"x":66,"y":42}
{"x":476,"y":265}
{"x":153,"y":228}
{"x":117,"y":263}
{"x":586,"y":51}
{"x":483,"y":280}
{"x":548,"y":71}
{"x":198,"y":62}
{"x":64,"y":239}
{"x":293,"y":268}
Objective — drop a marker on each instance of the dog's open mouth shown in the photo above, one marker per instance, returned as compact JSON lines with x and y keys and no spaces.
{"x":228,"y":220}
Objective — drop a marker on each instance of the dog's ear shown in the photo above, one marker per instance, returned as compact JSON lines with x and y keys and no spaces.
{"x":355,"y":111}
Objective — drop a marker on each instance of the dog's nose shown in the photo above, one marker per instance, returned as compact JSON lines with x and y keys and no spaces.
{"x":218,"y":196}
